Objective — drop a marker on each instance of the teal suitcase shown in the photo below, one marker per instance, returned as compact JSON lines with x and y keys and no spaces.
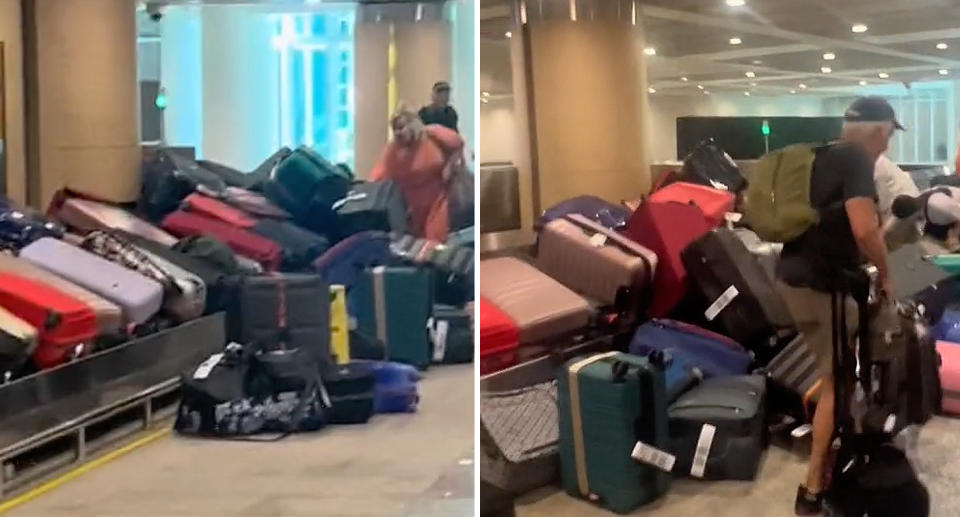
{"x":395,"y":304}
{"x":607,"y":403}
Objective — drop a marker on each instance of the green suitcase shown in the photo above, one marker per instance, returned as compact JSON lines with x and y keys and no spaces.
{"x":394,"y":304}
{"x":607,"y":405}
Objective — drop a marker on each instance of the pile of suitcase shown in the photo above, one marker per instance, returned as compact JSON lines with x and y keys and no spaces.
{"x":688,"y":388}
{"x":296,"y":251}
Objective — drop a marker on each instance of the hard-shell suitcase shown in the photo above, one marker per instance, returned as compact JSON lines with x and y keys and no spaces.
{"x":541,"y":307}
{"x":119,"y":251}
{"x":742,"y":298}
{"x":377,"y":206}
{"x":170,"y":177}
{"x":189,"y":301}
{"x":396,"y":386}
{"x":345,"y":262}
{"x":717,"y":428}
{"x":243,"y":179}
{"x":713,"y":354}
{"x":307,"y":185}
{"x":260,"y":249}
{"x":666,"y":229}
{"x":712,"y":202}
{"x":619,"y":269}
{"x":138,"y":297}
{"x":451,"y":335}
{"x":499,"y":338}
{"x":299,"y":247}
{"x":66,"y":326}
{"x":18,"y":340}
{"x":351,"y":388}
{"x":254,"y":203}
{"x":20,"y":226}
{"x":593,"y":208}
{"x":290,"y":310}
{"x":766,"y":253}
{"x":950,"y":376}
{"x":215,"y":209}
{"x":710,"y":165}
{"x":109,"y":316}
{"x":394,"y":304}
{"x":912,"y":272}
{"x":86,"y":215}
{"x":794,"y":380}
{"x":608,"y":405}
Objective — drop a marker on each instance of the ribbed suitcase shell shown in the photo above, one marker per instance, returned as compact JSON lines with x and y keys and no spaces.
{"x":377,"y":206}
{"x":795,"y":375}
{"x":609,"y":411}
{"x":139,"y":297}
{"x":18,"y":340}
{"x":215,"y":209}
{"x":542,"y":307}
{"x":86,"y":215}
{"x":394,"y":304}
{"x":597,"y":269}
{"x":62,"y":321}
{"x":499,"y":338}
{"x":248,"y":244}
{"x":735,"y":406}
{"x":712,"y":202}
{"x":109,"y":315}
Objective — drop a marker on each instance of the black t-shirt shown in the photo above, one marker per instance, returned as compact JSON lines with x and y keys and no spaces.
{"x":445,"y":116}
{"x":841,"y":172}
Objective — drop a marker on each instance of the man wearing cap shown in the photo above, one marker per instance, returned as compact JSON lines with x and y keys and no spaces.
{"x":439,"y":111}
{"x":811,"y":267}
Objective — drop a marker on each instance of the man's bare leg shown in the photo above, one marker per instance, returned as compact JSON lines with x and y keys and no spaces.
{"x":822,"y":437}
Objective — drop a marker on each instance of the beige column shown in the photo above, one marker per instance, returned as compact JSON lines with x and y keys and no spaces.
{"x":83,"y":126}
{"x":370,"y":99}
{"x":423,"y":58}
{"x":586,"y":89}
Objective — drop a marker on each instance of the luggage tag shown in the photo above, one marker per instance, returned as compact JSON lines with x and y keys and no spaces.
{"x":598,"y":240}
{"x":658,"y":458}
{"x":203,"y":371}
{"x":438,"y":336}
{"x":707,"y":432}
{"x":721,"y":302}
{"x":732,"y":218}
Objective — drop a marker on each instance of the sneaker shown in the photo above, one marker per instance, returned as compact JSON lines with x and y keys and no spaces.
{"x":807,"y":503}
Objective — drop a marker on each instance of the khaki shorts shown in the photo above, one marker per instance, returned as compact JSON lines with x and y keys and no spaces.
{"x":811,"y":311}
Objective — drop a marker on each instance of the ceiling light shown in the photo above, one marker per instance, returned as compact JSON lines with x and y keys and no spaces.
{"x":700,"y":86}
{"x":650,"y":51}
{"x":706,"y":92}
{"x":826,"y":69}
{"x":793,"y":92}
{"x":863,"y":83}
{"x":802,"y":86}
{"x":736,"y":3}
{"x":943,"y":71}
{"x":485,"y":101}
{"x":735,"y":41}
{"x":829,"y":56}
{"x":485,"y":94}
{"x":859,"y":28}
{"x":753,"y":84}
{"x":883,"y":75}
{"x":746,"y":94}
{"x":652,"y":89}
{"x":508,"y":34}
{"x":942,"y":46}
{"x":684,"y":79}
{"x":751,"y":75}
{"x":757,"y":62}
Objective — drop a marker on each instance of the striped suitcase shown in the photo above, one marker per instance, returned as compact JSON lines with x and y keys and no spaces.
{"x":794,"y":380}
{"x":139,"y":297}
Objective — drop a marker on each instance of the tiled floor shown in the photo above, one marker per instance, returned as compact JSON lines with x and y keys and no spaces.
{"x":396,"y":466}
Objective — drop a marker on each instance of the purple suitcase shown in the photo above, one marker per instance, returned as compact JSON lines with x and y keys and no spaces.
{"x":597,"y":210}
{"x":138,"y":297}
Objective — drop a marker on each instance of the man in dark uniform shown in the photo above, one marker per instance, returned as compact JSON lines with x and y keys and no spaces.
{"x":440,"y":111}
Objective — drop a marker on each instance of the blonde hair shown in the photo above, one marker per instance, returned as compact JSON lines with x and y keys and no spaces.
{"x":406,"y":121}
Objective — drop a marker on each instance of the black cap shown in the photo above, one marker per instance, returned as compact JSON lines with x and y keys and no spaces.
{"x":871,"y":109}
{"x":440,"y":86}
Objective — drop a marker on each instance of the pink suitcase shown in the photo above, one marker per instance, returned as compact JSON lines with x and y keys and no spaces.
{"x":950,"y":376}
{"x":712,"y":202}
{"x":86,"y":215}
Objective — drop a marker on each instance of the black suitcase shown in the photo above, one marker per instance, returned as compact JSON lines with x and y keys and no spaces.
{"x":794,"y":381}
{"x":451,"y":335}
{"x":293,"y":310}
{"x":351,"y":391}
{"x":299,"y":247}
{"x":743,"y":299}
{"x":710,"y":165}
{"x":377,"y":206}
{"x":717,"y":428}
{"x":248,"y":180}
{"x":875,"y":480}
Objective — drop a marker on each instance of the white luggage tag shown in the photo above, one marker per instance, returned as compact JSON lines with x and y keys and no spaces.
{"x":721,"y":303}
{"x":598,"y":240}
{"x":699,"y":466}
{"x":351,"y":196}
{"x":438,"y":336}
{"x":651,"y":455}
{"x":203,"y":371}
{"x":732,"y":218}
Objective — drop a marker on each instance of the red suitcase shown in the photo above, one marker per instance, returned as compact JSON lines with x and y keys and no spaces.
{"x":66,"y":325}
{"x":207,"y":206}
{"x":261,"y":249}
{"x":714,"y":203}
{"x":950,"y":376}
{"x":499,"y":338}
{"x":666,"y":229}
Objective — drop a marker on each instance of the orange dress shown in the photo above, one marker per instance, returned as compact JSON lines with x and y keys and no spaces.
{"x":418,"y":172}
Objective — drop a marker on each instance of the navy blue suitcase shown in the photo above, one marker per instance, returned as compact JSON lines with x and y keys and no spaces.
{"x":596,"y":209}
{"x":713,"y":354}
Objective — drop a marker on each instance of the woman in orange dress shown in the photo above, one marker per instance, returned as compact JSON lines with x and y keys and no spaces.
{"x":416,"y":160}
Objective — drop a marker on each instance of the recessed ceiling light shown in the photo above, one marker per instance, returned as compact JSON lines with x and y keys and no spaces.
{"x":736,"y":3}
{"x":485,"y":101}
{"x":650,"y":51}
{"x":829,"y":56}
{"x":652,"y":89}
{"x":753,"y":84}
{"x":757,"y":62}
{"x":859,"y":28}
{"x":508,"y":34}
{"x":943,"y":71}
{"x":735,"y":41}
{"x":826,"y":69}
{"x":793,"y":92}
{"x":746,"y":93}
{"x":883,"y":75}
{"x":706,"y":92}
{"x":942,"y":46}
{"x":485,"y":94}
{"x":700,"y":86}
{"x":863,"y":83}
{"x":684,"y":79}
{"x":750,"y":75}
{"x":802,"y":86}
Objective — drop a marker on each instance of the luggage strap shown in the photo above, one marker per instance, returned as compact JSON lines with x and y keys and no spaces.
{"x":380,"y":306}
{"x":580,"y":461}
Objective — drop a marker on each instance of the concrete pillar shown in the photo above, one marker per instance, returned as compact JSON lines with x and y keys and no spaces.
{"x":586,"y":91}
{"x":83,"y":130}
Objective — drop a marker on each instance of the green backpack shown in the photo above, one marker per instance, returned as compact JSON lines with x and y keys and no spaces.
{"x":778,"y":204}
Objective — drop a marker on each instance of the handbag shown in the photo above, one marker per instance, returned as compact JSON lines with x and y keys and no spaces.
{"x":460,"y":190}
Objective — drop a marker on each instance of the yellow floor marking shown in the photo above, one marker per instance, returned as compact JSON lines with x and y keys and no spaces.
{"x":26,"y":497}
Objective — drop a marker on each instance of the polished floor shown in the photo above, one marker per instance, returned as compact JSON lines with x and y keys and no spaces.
{"x":935,"y":454}
{"x":397,"y":466}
